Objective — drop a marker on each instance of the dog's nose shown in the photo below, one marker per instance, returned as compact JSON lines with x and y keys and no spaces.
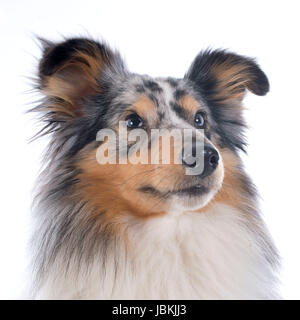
{"x":210,"y":158}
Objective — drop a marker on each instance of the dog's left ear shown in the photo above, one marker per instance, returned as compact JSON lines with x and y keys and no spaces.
{"x":223,"y":77}
{"x":70,"y":71}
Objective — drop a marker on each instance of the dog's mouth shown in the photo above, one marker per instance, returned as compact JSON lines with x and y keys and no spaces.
{"x":194,"y":190}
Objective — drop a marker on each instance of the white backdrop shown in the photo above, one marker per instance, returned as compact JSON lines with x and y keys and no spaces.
{"x":159,"y":38}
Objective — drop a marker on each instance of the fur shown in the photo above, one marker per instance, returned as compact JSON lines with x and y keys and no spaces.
{"x":126,"y":231}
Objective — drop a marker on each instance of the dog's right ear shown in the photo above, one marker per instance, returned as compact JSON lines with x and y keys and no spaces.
{"x":70,"y":71}
{"x":223,"y":77}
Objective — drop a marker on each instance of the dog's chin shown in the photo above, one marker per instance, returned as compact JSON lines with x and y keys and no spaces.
{"x":193,"y":202}
{"x":196,"y":197}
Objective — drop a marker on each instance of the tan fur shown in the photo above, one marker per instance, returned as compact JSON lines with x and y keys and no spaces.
{"x":74,"y":80}
{"x":230,"y":191}
{"x":115,"y":186}
{"x":144,"y":107}
{"x":190,"y":104}
{"x":231,"y":81}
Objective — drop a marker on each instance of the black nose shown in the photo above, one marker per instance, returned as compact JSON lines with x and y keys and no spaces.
{"x":210,"y":158}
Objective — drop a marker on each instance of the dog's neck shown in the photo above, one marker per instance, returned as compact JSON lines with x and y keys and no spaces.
{"x":213,"y":254}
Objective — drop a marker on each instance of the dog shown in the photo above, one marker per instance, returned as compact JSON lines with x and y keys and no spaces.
{"x":147,"y":230}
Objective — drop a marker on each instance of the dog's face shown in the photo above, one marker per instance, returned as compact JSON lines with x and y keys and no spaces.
{"x":163,"y":105}
{"x":88,"y":89}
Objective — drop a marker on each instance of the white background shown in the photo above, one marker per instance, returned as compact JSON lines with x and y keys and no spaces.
{"x":159,"y":38}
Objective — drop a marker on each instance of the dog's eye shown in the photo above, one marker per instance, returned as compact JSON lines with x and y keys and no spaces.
{"x":199,"y":119}
{"x":134,"y":121}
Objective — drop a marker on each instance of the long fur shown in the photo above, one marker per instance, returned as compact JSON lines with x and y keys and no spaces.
{"x":89,"y":243}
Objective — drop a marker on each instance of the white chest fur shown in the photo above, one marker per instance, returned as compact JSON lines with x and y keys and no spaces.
{"x":213,"y":255}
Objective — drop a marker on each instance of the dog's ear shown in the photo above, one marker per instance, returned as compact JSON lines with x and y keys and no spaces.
{"x":70,"y":71}
{"x":223,"y":77}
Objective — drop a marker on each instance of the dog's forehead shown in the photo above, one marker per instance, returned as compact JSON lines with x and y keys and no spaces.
{"x":165,"y":90}
{"x":166,"y":94}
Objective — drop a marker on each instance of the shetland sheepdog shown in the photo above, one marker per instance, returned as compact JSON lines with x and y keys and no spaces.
{"x":147,"y":229}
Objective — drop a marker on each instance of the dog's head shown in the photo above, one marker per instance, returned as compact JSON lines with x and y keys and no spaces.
{"x":88,"y":88}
